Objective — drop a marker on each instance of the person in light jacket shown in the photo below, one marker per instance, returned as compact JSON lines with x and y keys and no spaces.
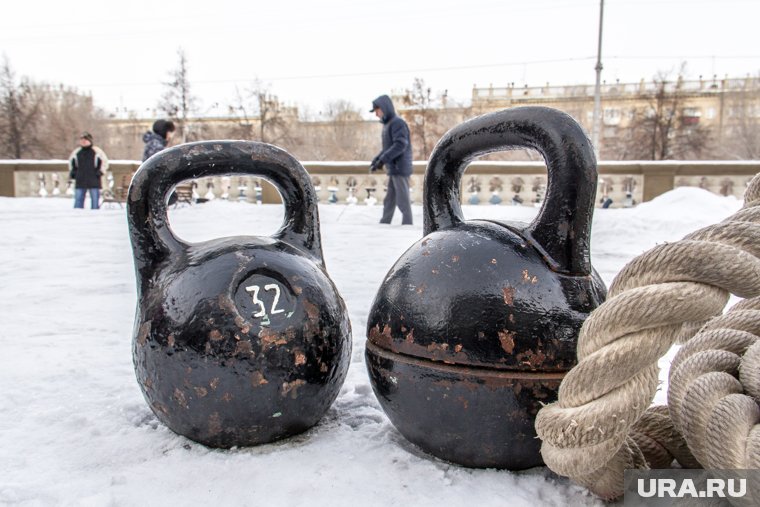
{"x":87,"y":164}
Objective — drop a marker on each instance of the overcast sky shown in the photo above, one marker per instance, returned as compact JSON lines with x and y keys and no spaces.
{"x":313,"y":52}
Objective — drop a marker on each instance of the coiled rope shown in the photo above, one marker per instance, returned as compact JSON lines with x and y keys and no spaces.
{"x":602,"y":423}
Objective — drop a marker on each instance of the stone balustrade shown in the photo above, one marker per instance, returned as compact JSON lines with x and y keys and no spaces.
{"x":485,"y":182}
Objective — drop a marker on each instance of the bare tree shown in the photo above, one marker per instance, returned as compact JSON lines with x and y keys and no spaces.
{"x":665,"y":129}
{"x":423,"y":111}
{"x":178,"y":102}
{"x":345,"y":138}
{"x":19,"y":108}
{"x":64,"y":114}
{"x":260,"y":108}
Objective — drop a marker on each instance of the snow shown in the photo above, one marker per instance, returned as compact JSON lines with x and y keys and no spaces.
{"x":75,"y":430}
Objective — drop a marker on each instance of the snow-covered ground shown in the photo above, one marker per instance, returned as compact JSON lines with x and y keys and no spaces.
{"x":75,"y":430}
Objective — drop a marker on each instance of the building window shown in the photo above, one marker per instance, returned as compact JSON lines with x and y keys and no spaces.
{"x":690,"y":115}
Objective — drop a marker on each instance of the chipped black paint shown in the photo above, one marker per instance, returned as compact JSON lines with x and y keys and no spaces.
{"x":487,"y":299}
{"x":219,"y":361}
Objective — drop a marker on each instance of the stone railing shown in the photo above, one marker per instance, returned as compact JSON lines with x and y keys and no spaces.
{"x":484,"y":182}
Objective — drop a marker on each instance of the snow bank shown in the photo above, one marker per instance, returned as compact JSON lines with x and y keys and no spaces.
{"x":75,"y":429}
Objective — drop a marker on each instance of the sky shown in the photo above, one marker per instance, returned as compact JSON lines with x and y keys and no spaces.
{"x":311,"y":53}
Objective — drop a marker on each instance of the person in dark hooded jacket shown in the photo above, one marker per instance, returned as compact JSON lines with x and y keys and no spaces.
{"x":157,"y":139}
{"x":396,"y":157}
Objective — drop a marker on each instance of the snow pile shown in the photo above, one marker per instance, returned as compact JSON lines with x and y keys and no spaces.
{"x":75,"y":429}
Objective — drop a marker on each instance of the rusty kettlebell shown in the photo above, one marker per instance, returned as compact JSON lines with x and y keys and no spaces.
{"x":475,"y":325}
{"x":242,"y":340}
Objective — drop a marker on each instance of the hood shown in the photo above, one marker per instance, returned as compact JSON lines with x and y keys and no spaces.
{"x":386,"y":106}
{"x":151,"y":135}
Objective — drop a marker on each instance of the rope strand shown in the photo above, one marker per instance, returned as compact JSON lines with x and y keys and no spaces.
{"x":601,"y":423}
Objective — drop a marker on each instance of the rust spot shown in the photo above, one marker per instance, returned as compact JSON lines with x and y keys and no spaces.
{"x":410,"y":337}
{"x":426,"y":253}
{"x":142,"y":336}
{"x":243,"y":347}
{"x":291,"y":388}
{"x":270,"y":338}
{"x":300,"y":358}
{"x":493,"y":261}
{"x":323,"y":367}
{"x":170,"y":340}
{"x":214,"y":424}
{"x":180,"y":398}
{"x":312,"y":311}
{"x":225,"y":303}
{"x":425,"y":242}
{"x":481,"y":335}
{"x":517,"y":388}
{"x":214,"y":383}
{"x":148,"y":383}
{"x":511,"y":318}
{"x":384,"y":338}
{"x":443,"y":347}
{"x":298,"y":290}
{"x":208,"y":348}
{"x":458,"y":348}
{"x":200,"y":392}
{"x":160,"y":407}
{"x":215,"y":335}
{"x":434,"y":271}
{"x":463,"y":401}
{"x":240,"y":323}
{"x":532,"y":358}
{"x":509,"y":295}
{"x":454,"y":258}
{"x":529,"y":279}
{"x":507,"y":340}
{"x":421,"y":288}
{"x":257,"y":379}
{"x":226,"y":397}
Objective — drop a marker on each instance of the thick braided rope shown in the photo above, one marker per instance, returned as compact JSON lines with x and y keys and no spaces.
{"x":595,"y":430}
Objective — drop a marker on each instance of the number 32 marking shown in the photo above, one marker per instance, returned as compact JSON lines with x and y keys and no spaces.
{"x":254,"y":289}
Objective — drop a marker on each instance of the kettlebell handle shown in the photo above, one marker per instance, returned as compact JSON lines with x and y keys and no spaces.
{"x":152,"y":238}
{"x":562,"y":227}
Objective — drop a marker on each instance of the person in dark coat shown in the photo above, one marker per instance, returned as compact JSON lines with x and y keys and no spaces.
{"x":157,"y":139}
{"x":396,"y":157}
{"x":86,"y":166}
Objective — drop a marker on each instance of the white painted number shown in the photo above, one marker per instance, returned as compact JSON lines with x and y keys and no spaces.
{"x":255,"y":295}
{"x":256,"y":300}
{"x":276,"y":289}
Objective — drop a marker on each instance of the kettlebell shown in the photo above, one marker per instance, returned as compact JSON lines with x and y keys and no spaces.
{"x":242,"y":340}
{"x":474,"y":327}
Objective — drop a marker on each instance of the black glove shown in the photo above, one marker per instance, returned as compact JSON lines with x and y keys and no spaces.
{"x":376,"y":165}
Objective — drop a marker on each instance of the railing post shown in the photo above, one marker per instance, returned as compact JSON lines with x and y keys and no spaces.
{"x":7,"y":180}
{"x":658,"y":179}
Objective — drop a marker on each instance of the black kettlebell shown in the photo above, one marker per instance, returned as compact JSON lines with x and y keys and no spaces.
{"x":242,"y":340}
{"x":475,"y":325}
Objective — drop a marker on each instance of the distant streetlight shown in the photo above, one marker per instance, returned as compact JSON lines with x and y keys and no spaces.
{"x":598,"y":88}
